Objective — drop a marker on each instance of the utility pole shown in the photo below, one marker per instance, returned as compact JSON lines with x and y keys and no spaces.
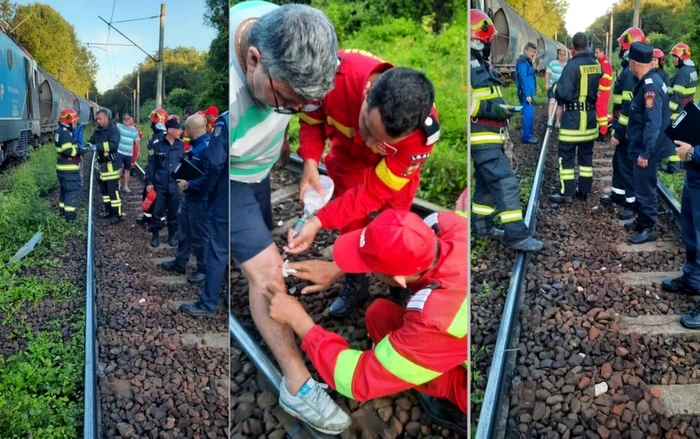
{"x":159,"y":87}
{"x":138,"y":96}
{"x":612,"y":14}
{"x":637,"y":7}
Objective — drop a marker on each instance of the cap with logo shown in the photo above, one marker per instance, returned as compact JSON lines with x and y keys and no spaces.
{"x":641,"y":52}
{"x":395,"y":243}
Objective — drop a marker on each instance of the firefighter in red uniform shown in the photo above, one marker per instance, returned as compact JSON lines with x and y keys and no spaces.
{"x":604,"y":91}
{"x":423,"y":346}
{"x":382,"y":125}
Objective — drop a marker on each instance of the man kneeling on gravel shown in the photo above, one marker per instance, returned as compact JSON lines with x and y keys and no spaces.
{"x":423,"y":346}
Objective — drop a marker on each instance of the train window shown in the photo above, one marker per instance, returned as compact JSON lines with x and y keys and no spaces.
{"x":9,"y":59}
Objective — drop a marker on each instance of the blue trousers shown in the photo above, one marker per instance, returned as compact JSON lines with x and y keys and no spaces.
{"x":690,"y":222}
{"x":216,"y":254}
{"x":528,"y":119}
{"x":193,"y":233}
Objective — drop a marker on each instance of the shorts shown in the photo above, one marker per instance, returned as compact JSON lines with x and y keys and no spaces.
{"x":126,"y":161}
{"x":250,"y":219}
{"x":550,"y":92}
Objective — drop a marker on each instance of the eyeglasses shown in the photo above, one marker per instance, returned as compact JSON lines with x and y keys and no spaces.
{"x":306,"y":108}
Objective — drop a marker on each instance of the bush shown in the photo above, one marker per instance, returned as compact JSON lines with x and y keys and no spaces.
{"x":180,"y":98}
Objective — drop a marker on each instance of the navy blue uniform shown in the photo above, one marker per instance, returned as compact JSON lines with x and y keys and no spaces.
{"x":157,"y":135}
{"x":163,"y":159}
{"x":623,"y":168}
{"x":193,"y":232}
{"x":106,"y":141}
{"x":649,"y":116}
{"x":527,"y":87}
{"x":690,"y":220}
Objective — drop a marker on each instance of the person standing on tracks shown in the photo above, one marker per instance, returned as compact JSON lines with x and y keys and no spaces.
{"x":106,"y":140}
{"x":128,"y":136}
{"x":193,"y":230}
{"x":604,"y":91}
{"x":423,"y":346}
{"x":136,"y":155}
{"x":67,"y":163}
{"x":158,"y":118}
{"x":382,"y":126}
{"x":284,"y":62}
{"x":650,"y":115}
{"x":683,"y":86}
{"x":551,"y":77}
{"x":657,"y":62}
{"x":527,"y":87}
{"x":163,"y":159}
{"x":577,"y":91}
{"x":622,"y":191}
{"x":496,"y":186}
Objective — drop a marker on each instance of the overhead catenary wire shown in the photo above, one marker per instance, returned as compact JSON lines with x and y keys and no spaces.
{"x":134,"y":19}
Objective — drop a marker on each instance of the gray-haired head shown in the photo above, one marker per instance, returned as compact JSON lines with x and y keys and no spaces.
{"x":298,"y":46}
{"x":529,"y":46}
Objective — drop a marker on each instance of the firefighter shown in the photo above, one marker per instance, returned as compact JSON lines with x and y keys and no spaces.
{"x":604,"y":90}
{"x":657,"y":61}
{"x":106,"y":140}
{"x":211,"y":114}
{"x":189,"y":111}
{"x":682,"y":90}
{"x":423,"y":346}
{"x":373,"y":165}
{"x":67,"y":163}
{"x":577,"y":91}
{"x":163,"y":159}
{"x":496,"y":184}
{"x":158,"y":118}
{"x":622,"y":191}
{"x":650,"y":115}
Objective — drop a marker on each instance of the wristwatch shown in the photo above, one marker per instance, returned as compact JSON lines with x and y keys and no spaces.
{"x":689,"y":155}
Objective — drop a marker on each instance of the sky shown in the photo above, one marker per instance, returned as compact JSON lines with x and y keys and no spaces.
{"x":582,"y":13}
{"x":184,"y":26}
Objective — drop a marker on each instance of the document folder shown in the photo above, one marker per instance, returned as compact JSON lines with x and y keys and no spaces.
{"x":687,"y":127}
{"x":186,"y":170}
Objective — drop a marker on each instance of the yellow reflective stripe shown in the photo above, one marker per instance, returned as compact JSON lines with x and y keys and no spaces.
{"x":606,"y":76}
{"x":481,"y":209}
{"x":461,"y":213}
{"x":683,"y":90}
{"x":348,"y":132}
{"x":674,"y":116}
{"x":585,"y":171}
{"x":400,"y":366}
{"x":105,"y":148}
{"x":674,"y":158}
{"x":466,"y":364}
{"x":485,"y":93}
{"x":626,"y":95}
{"x":61,"y":205}
{"x":69,"y":209}
{"x":617,"y":99}
{"x":510,"y":216}
{"x":309,"y":120}
{"x":68,"y":167}
{"x":475,"y":107}
{"x":105,"y":198}
{"x":578,"y":139}
{"x":389,"y":178}
{"x":624,"y":120}
{"x":458,"y":327}
{"x":602,"y":119}
{"x":673,"y":105}
{"x":344,"y":371}
{"x":486,"y":137}
{"x":604,"y":88}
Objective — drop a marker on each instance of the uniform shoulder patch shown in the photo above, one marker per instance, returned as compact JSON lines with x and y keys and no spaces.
{"x":418,"y":300}
{"x":432,"y":130}
{"x":648,"y":81}
{"x":217,"y":131}
{"x":649,"y":99}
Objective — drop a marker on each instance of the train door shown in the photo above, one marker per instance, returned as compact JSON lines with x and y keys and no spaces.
{"x":30,"y":89}
{"x":46,"y":102}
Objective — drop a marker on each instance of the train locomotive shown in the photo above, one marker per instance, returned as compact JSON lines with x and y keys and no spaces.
{"x":31,"y":101}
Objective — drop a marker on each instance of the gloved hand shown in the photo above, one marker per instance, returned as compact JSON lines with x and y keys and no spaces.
{"x":503,"y":113}
{"x":87,"y":147}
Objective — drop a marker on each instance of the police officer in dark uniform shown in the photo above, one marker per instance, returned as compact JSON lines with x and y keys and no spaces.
{"x":67,"y":163}
{"x":193,"y":231}
{"x":496,"y":184}
{"x":106,"y":141}
{"x":577,"y":92}
{"x":217,"y":252}
{"x":163,"y":159}
{"x":622,"y":191}
{"x":650,"y":115}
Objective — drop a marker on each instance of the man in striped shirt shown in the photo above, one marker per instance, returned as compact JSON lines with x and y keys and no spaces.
{"x":283,"y":61}
{"x":129,"y":137}
{"x":551,"y":77}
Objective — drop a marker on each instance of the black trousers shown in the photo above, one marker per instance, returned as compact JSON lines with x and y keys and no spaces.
{"x":645,"y":189}
{"x":110,"y":197}
{"x":68,"y":196}
{"x":193,"y":232}
{"x":165,"y":208}
{"x":567,"y":164}
{"x":623,"y":173}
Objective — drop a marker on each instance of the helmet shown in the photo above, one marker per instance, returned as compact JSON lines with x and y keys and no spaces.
{"x":158,"y":115}
{"x":682,"y":51}
{"x":658,"y":53}
{"x":631,"y":35}
{"x":482,"y":27}
{"x":68,"y":116}
{"x":174,"y":116}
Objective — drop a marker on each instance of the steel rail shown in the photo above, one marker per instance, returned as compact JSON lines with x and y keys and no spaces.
{"x":496,"y":384}
{"x":90,"y":421}
{"x":672,"y":203}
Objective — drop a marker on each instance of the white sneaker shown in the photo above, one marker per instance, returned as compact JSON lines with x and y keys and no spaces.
{"x":126,"y":189}
{"x":313,"y":406}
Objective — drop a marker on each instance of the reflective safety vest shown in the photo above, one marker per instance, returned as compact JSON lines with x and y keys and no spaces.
{"x":577,"y":92}
{"x":622,"y":98}
{"x":68,"y":159}
{"x":488,"y":129}
{"x":683,"y":88}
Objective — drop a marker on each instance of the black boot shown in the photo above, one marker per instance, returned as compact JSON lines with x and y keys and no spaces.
{"x":679,"y":285}
{"x":692,"y":320}
{"x":197,"y":278}
{"x":625,"y":214}
{"x":354,"y":293}
{"x":528,"y":244}
{"x":646,"y":235}
{"x":559,"y":199}
{"x":197,"y":309}
{"x":172,"y":240}
{"x":173,"y":266}
{"x":494,"y":233}
{"x":155,"y":241}
{"x":115,"y":219}
{"x":633,"y":226}
{"x":581,"y":195}
{"x":611,"y":198}
{"x":444,"y":413}
{"x":106,"y":213}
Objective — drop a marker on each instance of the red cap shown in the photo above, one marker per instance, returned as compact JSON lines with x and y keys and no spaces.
{"x":212,"y":111}
{"x":395,"y":243}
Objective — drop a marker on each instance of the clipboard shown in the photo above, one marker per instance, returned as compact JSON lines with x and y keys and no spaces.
{"x":685,"y":127}
{"x":186,"y":170}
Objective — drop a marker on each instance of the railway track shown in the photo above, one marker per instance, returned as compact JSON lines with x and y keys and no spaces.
{"x":151,"y":371}
{"x":254,"y":374}
{"x":593,"y":348}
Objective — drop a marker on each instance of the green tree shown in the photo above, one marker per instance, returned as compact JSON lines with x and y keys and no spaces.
{"x":180,"y":98}
{"x":215,"y":90}
{"x":546,"y":16}
{"x":7,"y":12}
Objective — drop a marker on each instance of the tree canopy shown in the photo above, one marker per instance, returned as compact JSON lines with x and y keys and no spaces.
{"x":546,"y":16}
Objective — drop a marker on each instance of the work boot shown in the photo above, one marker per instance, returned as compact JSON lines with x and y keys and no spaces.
{"x":312,"y":405}
{"x":634,"y":226}
{"x":172,"y":240}
{"x":494,"y":233}
{"x":354,"y":293}
{"x":646,"y":235}
{"x":559,"y":199}
{"x":173,"y":266}
{"x":197,"y":278}
{"x":155,"y":241}
{"x":692,"y":320}
{"x":611,"y":198}
{"x":399,"y":295}
{"x":625,"y":214}
{"x":581,"y":196}
{"x":532,"y":141}
{"x":679,"y":285}
{"x":115,"y":219}
{"x":528,"y":245}
{"x":197,"y":309}
{"x":443,"y":413}
{"x":106,"y":213}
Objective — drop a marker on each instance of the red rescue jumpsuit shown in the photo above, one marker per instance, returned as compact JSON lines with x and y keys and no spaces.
{"x":366,"y":179}
{"x":422,"y":347}
{"x":604,"y":91}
